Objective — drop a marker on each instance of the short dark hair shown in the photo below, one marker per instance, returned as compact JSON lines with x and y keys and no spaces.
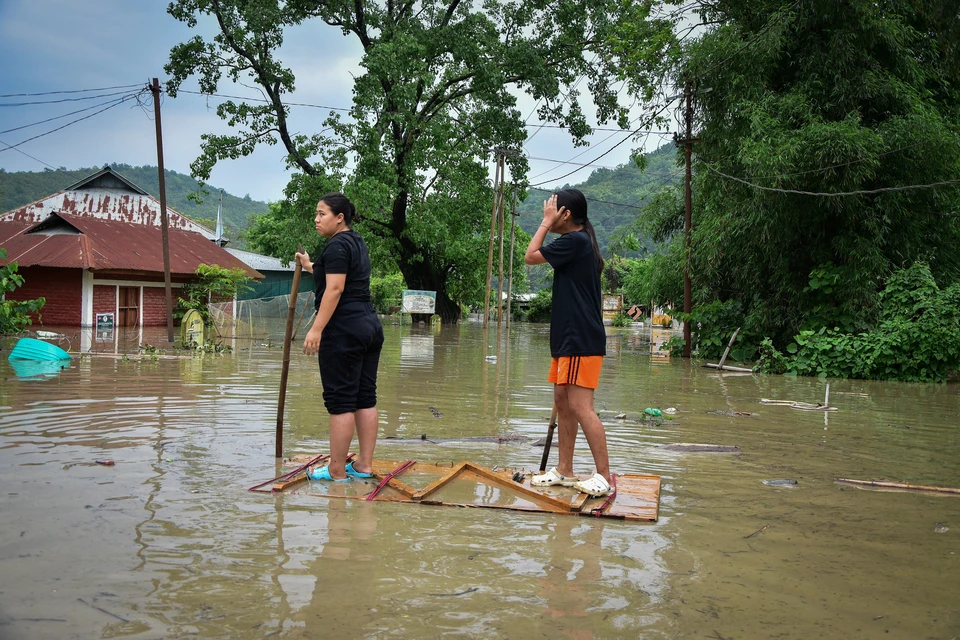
{"x":339,"y":203}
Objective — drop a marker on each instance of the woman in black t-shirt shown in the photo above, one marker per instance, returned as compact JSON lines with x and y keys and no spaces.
{"x":352,"y":337}
{"x":578,"y":341}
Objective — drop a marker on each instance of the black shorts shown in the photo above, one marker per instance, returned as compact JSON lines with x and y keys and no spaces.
{"x":349,"y":355}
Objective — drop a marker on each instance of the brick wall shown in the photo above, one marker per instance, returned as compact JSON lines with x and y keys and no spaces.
{"x":61,"y":287}
{"x":104,"y":299}
{"x":154,"y":310}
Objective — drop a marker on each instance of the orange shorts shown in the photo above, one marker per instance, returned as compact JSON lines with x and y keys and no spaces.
{"x":583,"y":371}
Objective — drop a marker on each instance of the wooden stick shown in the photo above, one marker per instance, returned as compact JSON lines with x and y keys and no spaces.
{"x":549,"y":441}
{"x":727,"y":350}
{"x":896,"y":485}
{"x":285,"y":370}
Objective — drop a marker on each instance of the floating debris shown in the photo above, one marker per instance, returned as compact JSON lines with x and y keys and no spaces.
{"x":670,"y":410}
{"x":436,"y":414}
{"x":690,"y":447}
{"x":940,"y":527}
{"x":780,"y":482}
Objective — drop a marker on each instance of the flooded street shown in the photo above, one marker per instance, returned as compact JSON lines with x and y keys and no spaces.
{"x":168,"y":542}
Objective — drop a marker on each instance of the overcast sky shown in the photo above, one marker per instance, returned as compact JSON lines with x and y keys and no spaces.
{"x":64,"y":45}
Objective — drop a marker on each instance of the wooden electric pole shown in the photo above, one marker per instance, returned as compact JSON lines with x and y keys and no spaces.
{"x":155,"y":89}
{"x":497,"y":179}
{"x":687,"y":216}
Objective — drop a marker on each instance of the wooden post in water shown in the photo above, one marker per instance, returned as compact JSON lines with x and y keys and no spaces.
{"x":287,"y":339}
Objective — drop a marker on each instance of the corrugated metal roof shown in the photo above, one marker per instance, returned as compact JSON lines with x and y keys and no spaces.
{"x":261,"y":262}
{"x":123,"y":202}
{"x":105,"y":245}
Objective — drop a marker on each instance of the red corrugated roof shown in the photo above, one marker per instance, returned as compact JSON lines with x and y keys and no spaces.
{"x":104,"y":245}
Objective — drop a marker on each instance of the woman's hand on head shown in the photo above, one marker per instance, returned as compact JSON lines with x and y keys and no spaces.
{"x":551,"y":215}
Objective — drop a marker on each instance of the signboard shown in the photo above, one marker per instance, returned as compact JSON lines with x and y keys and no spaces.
{"x":658,"y":343}
{"x":415,"y":301}
{"x":191,"y":329}
{"x":104,"y":324}
{"x":636,"y":313}
{"x":612,"y":306}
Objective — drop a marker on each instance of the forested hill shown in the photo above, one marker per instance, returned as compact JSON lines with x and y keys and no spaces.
{"x":22,"y":187}
{"x":613,"y":195}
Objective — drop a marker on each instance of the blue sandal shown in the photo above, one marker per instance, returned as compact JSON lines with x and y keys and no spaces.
{"x":353,"y":473}
{"x":323,"y":473}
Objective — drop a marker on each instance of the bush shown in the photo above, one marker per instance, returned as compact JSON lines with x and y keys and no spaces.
{"x":14,"y":316}
{"x":213,"y":282}
{"x":386,"y":291}
{"x":917,"y":339}
{"x":541,"y":305}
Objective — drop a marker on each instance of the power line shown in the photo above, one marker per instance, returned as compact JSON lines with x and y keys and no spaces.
{"x":634,"y":132}
{"x":46,"y":133}
{"x":28,"y":155}
{"x":289,"y":104}
{"x":33,"y":124}
{"x":51,"y":93}
{"x":827,"y":194}
{"x":25,"y":104}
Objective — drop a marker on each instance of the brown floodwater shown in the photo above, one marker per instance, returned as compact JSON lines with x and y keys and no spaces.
{"x":168,"y":542}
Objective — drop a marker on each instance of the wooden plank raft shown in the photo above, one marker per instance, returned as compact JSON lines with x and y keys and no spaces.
{"x":466,"y":484}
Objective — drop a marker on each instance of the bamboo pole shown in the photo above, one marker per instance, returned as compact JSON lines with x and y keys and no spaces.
{"x":896,"y":485}
{"x":285,"y":370}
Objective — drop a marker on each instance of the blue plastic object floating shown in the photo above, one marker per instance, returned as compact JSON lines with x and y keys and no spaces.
{"x":31,"y":349}
{"x":37,"y":370}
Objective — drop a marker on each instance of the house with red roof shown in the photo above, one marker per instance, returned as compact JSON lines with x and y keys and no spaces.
{"x":96,"y":248}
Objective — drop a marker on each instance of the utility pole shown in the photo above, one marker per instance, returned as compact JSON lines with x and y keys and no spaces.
{"x":497,"y":179}
{"x":513,"y":226}
{"x":155,"y":89}
{"x":688,"y":215}
{"x":500,"y":213}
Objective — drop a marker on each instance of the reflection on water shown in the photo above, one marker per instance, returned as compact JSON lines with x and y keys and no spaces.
{"x":168,"y":543}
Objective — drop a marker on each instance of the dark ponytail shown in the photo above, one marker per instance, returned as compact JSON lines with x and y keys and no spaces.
{"x":575,"y":202}
{"x":339,"y":203}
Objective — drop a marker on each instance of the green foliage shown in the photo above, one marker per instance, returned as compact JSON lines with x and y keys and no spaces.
{"x":213,"y":283}
{"x":818,"y":96}
{"x":541,"y":305}
{"x":14,"y":316}
{"x":386,"y":291}
{"x":22,"y":187}
{"x":438,"y":89}
{"x":713,"y":325}
{"x":917,"y":339}
{"x":621,"y":320}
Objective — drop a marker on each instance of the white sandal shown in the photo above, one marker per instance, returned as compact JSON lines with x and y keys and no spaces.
{"x":595,"y":486}
{"x":552,"y":478}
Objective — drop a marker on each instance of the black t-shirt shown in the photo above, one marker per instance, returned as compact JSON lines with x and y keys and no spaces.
{"x":576,"y":319}
{"x":346,"y":253}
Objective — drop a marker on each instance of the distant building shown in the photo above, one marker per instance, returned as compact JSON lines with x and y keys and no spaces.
{"x":96,"y":248}
{"x":277,"y":276}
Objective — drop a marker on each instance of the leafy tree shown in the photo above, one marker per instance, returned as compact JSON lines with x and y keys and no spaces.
{"x":14,"y":314}
{"x":824,"y":97}
{"x":433,"y":99}
{"x":213,"y":284}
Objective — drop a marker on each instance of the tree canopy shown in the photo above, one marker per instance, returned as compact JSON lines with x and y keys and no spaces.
{"x":433,"y":100}
{"x":827,"y":158}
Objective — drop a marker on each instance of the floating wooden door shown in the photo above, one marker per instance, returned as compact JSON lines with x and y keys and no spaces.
{"x":128,"y":307}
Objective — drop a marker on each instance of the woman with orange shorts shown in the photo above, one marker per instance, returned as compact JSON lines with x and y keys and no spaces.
{"x":578,"y":341}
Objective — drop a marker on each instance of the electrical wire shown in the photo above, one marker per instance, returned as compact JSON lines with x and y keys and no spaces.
{"x":288,"y":104}
{"x":51,"y":93}
{"x":46,"y":133}
{"x":25,"y":104}
{"x":829,"y":194}
{"x":72,"y":113}
{"x":610,"y":150}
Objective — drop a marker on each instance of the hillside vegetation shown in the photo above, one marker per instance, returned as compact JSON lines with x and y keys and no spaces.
{"x":22,"y":187}
{"x":615,"y":196}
